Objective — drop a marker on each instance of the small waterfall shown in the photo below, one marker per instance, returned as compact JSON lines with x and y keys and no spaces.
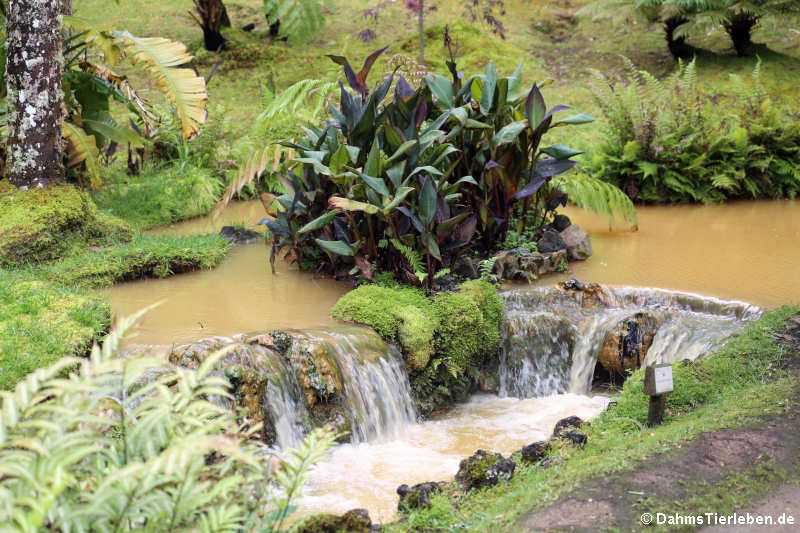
{"x":286,"y":406}
{"x":536,"y":355}
{"x":553,"y":338}
{"x":376,"y":394}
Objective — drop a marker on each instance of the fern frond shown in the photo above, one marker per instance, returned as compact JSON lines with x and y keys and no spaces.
{"x":299,"y":19}
{"x":182,"y":86}
{"x":411,"y":255}
{"x":596,"y":195}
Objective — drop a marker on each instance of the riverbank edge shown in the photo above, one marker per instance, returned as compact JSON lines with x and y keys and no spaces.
{"x":60,"y":246}
{"x":733,"y":387}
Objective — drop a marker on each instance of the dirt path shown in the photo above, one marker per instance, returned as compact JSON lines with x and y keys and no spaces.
{"x":617,"y":502}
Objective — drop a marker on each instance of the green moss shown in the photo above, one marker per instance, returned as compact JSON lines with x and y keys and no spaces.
{"x":41,"y":322}
{"x":146,"y":257}
{"x":44,"y":224}
{"x":402,"y":315}
{"x":159,"y":196}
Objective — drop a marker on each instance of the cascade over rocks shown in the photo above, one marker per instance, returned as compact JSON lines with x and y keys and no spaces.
{"x":625,"y":346}
{"x":484,"y":469}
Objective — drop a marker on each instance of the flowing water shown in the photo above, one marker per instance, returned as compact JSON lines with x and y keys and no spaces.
{"x":740,"y":252}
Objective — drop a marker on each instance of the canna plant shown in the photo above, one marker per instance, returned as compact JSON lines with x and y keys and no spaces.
{"x":121,"y":444}
{"x":406,"y":180}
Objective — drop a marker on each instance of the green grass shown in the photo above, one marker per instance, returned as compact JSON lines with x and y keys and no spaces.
{"x":41,"y":322}
{"x":160,"y":195}
{"x":729,"y":388}
{"x":147,"y":256}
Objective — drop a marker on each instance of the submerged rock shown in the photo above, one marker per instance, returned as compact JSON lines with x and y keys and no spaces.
{"x":579,"y":247}
{"x":535,"y":452}
{"x":353,"y":521}
{"x":484,"y":469}
{"x":625,"y":346}
{"x":587,"y":294}
{"x":418,"y":496}
{"x":240,"y":235}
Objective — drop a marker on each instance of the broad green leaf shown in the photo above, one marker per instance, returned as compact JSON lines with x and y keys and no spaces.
{"x":508,"y":133}
{"x":427,"y":202}
{"x":487,"y":97}
{"x":535,"y":109}
{"x":317,"y":223}
{"x":580,"y":118}
{"x":402,"y":192}
{"x":336,"y":247}
{"x":373,"y":165}
{"x":396,"y":172}
{"x":433,"y":247}
{"x":401,"y":150}
{"x":116,"y":133}
{"x":428,"y":169}
{"x":442,"y":89}
{"x":514,"y":83}
{"x":376,"y":184}
{"x":337,"y":202}
{"x":561,"y":151}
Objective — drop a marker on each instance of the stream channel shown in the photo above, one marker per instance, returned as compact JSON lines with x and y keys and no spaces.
{"x":731,"y":254}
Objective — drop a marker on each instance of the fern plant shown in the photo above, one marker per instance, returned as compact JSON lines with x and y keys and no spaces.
{"x":298,"y":20}
{"x":664,"y":141}
{"x":122,"y":444}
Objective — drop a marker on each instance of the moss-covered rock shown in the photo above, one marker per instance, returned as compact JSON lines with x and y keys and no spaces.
{"x":447,"y":340}
{"x":404,"y":316}
{"x":484,"y":469}
{"x":353,"y":521}
{"x":418,"y":496}
{"x":43,"y":224}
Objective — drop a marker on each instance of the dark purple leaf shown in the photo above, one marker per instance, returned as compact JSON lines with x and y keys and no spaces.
{"x":414,"y":220}
{"x":362,"y":74}
{"x":442,"y":210}
{"x":531,"y":188}
{"x":492,"y":164}
{"x":421,"y":113}
{"x":403,"y":89}
{"x":547,"y":168}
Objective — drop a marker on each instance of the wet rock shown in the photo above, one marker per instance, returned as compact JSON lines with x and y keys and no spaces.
{"x":566,"y":424}
{"x":484,"y":469}
{"x":575,"y":437}
{"x":539,"y":264}
{"x":625,"y":346}
{"x":317,"y":372}
{"x":551,"y":241}
{"x":506,"y":265}
{"x":535,"y":452}
{"x":587,"y":294}
{"x":240,"y":235}
{"x":418,"y":496}
{"x":579,"y":247}
{"x":561,"y":222}
{"x":282,"y":341}
{"x":332,"y":415}
{"x":353,"y":521}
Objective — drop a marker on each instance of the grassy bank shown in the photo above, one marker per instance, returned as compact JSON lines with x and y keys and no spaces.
{"x":729,"y":388}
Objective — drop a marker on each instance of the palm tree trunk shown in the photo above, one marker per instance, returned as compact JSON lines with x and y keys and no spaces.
{"x":33,"y":69}
{"x":739,"y":27}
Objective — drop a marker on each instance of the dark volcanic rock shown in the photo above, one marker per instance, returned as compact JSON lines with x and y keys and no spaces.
{"x":484,"y":469}
{"x":625,"y":346}
{"x":566,"y":424}
{"x":579,"y":247}
{"x":551,"y":241}
{"x":535,"y":452}
{"x":353,"y":521}
{"x":239,"y":235}
{"x":417,"y":496}
{"x":561,"y":222}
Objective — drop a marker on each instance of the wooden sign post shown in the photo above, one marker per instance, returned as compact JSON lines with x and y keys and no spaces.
{"x":657,"y":383}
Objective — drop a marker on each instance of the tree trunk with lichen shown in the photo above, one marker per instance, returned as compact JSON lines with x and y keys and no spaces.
{"x":33,"y":73}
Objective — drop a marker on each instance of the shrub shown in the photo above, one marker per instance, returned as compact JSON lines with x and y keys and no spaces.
{"x":128,"y":444}
{"x":407,"y":182}
{"x":666,"y":142}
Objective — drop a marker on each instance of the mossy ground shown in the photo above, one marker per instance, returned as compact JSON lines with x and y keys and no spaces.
{"x":731,"y":388}
{"x":42,"y":321}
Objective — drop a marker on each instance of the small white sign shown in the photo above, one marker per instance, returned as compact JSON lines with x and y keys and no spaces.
{"x":663,"y":379}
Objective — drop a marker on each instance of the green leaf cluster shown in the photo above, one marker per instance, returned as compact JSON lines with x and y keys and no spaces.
{"x":125,"y":444}
{"x":665,"y":142}
{"x":405,"y":180}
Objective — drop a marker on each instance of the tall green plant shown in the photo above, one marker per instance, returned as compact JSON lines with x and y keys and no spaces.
{"x":123,"y":444}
